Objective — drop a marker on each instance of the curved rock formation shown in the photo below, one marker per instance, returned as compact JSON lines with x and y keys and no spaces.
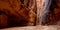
{"x":17,"y":12}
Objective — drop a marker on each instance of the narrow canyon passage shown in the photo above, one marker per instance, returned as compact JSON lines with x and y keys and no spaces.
{"x":23,"y":13}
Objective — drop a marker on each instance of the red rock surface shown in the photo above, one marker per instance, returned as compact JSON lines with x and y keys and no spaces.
{"x":16,"y":12}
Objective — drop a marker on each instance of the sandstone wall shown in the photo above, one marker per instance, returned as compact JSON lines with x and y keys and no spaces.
{"x":17,"y":12}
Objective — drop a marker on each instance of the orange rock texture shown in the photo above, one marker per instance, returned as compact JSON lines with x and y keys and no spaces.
{"x":17,"y":12}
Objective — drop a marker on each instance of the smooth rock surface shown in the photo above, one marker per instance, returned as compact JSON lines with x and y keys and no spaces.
{"x":34,"y":28}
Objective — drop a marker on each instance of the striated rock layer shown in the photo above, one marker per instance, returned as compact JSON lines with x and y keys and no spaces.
{"x":17,"y":12}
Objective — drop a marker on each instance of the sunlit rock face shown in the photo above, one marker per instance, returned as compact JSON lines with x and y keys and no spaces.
{"x":45,"y":11}
{"x":17,"y":12}
{"x":34,"y":28}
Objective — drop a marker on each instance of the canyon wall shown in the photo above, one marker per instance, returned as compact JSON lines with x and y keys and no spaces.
{"x":17,"y":12}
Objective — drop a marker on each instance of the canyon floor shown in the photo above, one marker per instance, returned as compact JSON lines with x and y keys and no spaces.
{"x":38,"y":27}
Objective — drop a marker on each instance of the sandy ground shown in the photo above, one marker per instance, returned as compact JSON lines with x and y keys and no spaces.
{"x":34,"y":28}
